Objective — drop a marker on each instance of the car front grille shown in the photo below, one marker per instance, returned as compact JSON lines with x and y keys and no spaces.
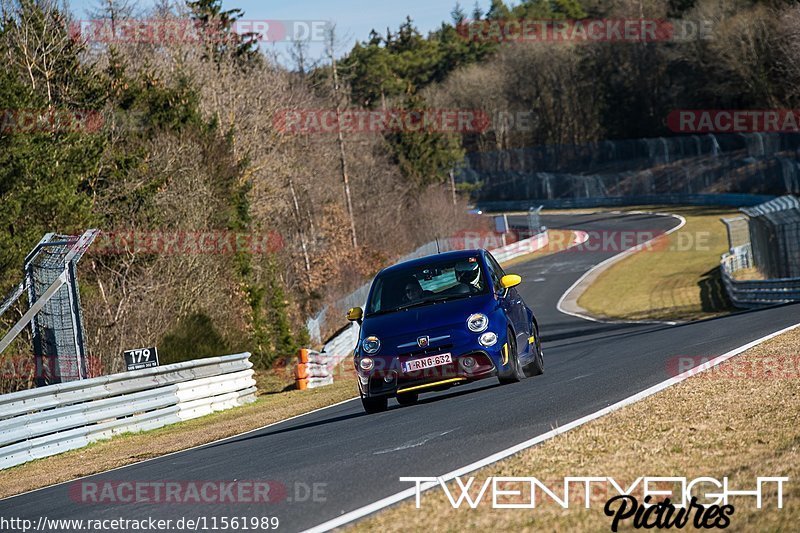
{"x":430,"y":350}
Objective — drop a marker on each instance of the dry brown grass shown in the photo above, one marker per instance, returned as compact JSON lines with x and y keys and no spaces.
{"x":732,"y":422}
{"x":677,"y":278}
{"x":748,"y":274}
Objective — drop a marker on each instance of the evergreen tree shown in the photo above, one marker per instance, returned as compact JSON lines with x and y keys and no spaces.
{"x":218,"y":26}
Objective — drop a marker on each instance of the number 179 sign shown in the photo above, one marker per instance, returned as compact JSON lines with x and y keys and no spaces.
{"x":141,"y":358}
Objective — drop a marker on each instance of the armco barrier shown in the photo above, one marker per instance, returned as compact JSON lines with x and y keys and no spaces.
{"x":722,"y":199}
{"x":49,"y":420}
{"x":752,"y":294}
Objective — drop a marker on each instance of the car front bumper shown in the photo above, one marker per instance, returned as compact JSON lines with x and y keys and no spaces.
{"x":388,"y":377}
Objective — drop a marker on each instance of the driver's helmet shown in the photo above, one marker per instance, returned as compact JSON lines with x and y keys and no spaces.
{"x":468,"y":272}
{"x":412,"y":290}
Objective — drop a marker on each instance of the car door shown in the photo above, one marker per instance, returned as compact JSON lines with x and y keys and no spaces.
{"x":513,"y":306}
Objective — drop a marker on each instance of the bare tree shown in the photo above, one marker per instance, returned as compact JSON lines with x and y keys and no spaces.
{"x":39,"y":39}
{"x":337,"y":96}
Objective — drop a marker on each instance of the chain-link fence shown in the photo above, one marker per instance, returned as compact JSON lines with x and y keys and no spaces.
{"x":756,"y":163}
{"x":768,"y":241}
{"x":534,"y":221}
{"x":738,"y":231}
{"x":775,"y":237}
{"x":54,"y":308}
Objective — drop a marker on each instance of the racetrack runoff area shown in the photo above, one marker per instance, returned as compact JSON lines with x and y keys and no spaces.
{"x":738,"y":419}
{"x":625,"y":359}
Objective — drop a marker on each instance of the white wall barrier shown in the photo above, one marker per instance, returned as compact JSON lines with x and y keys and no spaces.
{"x":525,"y":246}
{"x":314,"y":369}
{"x":49,"y":420}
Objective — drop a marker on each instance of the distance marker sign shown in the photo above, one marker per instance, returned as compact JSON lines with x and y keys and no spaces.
{"x":141,"y":358}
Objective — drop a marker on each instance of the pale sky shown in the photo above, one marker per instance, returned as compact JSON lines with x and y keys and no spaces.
{"x":353,"y":18}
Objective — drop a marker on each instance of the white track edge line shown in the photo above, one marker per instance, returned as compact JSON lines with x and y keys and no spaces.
{"x":395,"y":498}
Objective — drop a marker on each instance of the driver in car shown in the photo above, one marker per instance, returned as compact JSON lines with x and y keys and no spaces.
{"x":413,"y":291}
{"x":468,"y":273}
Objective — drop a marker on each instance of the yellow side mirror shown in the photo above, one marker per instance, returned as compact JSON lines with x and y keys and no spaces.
{"x":511,"y":280}
{"x":355,"y":314}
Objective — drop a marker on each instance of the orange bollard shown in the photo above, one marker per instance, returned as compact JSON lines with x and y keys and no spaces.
{"x":302,"y":356}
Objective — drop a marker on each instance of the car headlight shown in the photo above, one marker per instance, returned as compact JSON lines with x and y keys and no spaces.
{"x":488,"y":339}
{"x":366,"y":364}
{"x":478,"y":322}
{"x":371,"y":344}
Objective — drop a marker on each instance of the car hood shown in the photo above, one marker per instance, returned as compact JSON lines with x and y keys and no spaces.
{"x":446,"y":318}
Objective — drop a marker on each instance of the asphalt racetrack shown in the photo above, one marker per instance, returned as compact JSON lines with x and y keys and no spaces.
{"x":357,"y":459}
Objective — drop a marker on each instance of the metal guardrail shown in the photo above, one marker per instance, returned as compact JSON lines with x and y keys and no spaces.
{"x":753,"y":294}
{"x":722,"y":199}
{"x":49,"y":420}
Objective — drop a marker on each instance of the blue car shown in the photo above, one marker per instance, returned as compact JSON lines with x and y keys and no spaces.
{"x":440,"y":321}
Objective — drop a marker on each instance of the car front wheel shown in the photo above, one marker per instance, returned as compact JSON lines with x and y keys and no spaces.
{"x":536,"y":367}
{"x":515,"y":373}
{"x":375,"y":405}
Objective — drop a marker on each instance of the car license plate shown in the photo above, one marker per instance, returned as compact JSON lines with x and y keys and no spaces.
{"x":427,"y":362}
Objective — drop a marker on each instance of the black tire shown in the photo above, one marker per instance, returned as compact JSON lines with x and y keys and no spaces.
{"x":515,"y":373}
{"x":375,"y":405}
{"x":407,"y":399}
{"x":536,"y":367}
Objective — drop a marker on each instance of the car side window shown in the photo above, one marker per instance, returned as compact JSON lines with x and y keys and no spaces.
{"x":495,"y":272}
{"x":496,"y":266}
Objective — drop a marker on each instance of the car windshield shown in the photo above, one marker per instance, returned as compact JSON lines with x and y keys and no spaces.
{"x":427,"y":284}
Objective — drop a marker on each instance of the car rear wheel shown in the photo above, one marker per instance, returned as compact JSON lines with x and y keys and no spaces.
{"x":536,"y":367}
{"x":375,"y":405}
{"x":515,"y":373}
{"x":407,"y":399}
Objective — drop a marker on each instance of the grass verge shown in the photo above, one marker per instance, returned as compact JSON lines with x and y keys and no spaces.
{"x":738,"y":420}
{"x":677,"y":278}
